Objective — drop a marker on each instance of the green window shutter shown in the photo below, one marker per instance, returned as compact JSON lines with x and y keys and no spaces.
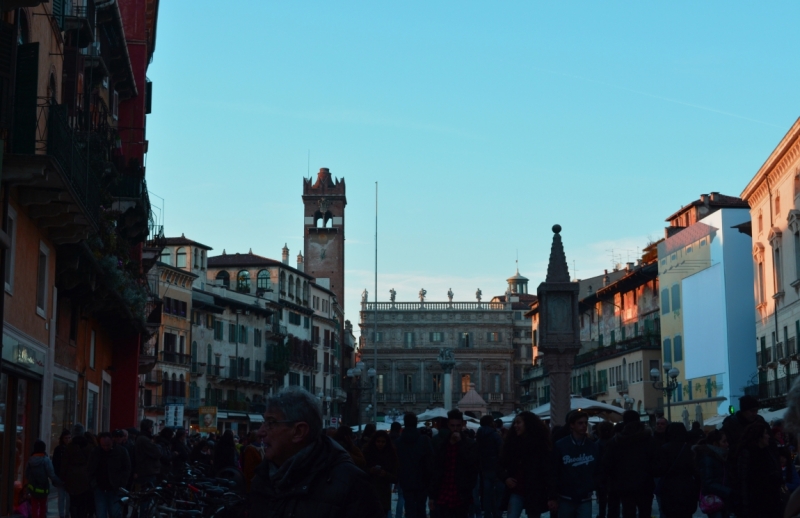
{"x":25,"y":92}
{"x":58,"y":13}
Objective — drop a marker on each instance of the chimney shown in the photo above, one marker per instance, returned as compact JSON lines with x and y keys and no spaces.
{"x":300,"y":261}
{"x":715,"y":197}
{"x":630,"y":267}
{"x":605,"y":278}
{"x":704,"y":198}
{"x":285,"y":254}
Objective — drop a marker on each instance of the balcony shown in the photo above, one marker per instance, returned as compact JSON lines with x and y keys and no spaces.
{"x":162,"y":401}
{"x":132,"y":199}
{"x":408,"y":398}
{"x":79,"y":16}
{"x":494,"y":397}
{"x":622,"y":387}
{"x":153,"y":378}
{"x":176,"y":358}
{"x":437,"y":397}
{"x":381,"y":397}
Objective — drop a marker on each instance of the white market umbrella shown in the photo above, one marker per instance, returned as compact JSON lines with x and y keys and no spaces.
{"x":433,"y":413}
{"x":580,"y":403}
{"x":378,"y":426}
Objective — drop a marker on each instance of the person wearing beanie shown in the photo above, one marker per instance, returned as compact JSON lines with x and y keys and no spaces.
{"x":733,"y":426}
{"x":627,"y":466}
{"x":38,"y":473}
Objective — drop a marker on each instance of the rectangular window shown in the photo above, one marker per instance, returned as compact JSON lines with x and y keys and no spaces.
{"x":496,"y":383}
{"x":436,"y":383}
{"x":10,"y":253}
{"x":306,"y":322}
{"x":778,"y":271}
{"x":613,"y":337}
{"x":307,"y":382}
{"x":380,"y":382}
{"x":41,"y":280}
{"x":676,"y":297}
{"x":377,"y":337}
{"x":796,"y":254}
{"x":518,"y":315}
{"x":465,"y":340}
{"x":232,"y":333}
{"x":218,"y":330}
{"x":600,"y":341}
{"x":408,"y":340}
{"x":494,"y":337}
{"x":92,"y":349}
{"x":761,"y":296}
{"x":664,"y":302}
{"x":256,"y":338}
{"x":327,"y":338}
{"x":408,"y":383}
{"x":465,"y":381}
{"x":437,"y":337}
{"x":243,"y":334}
{"x":92,"y":403}
{"x":622,"y":332}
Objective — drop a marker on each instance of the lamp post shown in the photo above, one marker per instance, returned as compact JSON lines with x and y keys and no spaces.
{"x":326,"y":407}
{"x":666,"y":385}
{"x":359,"y":383}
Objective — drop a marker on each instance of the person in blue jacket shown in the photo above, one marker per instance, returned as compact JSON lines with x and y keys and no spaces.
{"x":790,"y":477}
{"x":576,"y":466}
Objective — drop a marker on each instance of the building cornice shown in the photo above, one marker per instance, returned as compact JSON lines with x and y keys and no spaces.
{"x":776,"y":165}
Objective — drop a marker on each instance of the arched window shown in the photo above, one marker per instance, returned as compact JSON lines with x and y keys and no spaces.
{"x":165,"y":385}
{"x":263,"y":281}
{"x":194,"y":356}
{"x":677,"y":354}
{"x":667,"y":350}
{"x":291,"y":285}
{"x":166,"y":256}
{"x":181,"y":387}
{"x":243,"y":281}
{"x":305,"y":291}
{"x":180,"y":258}
{"x":174,"y":390}
{"x":298,"y":290}
{"x":208,"y":360}
{"x":224,"y":278}
{"x":282,"y":282}
{"x":196,"y":258}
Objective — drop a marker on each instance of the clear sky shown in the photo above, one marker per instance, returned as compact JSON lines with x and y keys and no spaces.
{"x":484,"y":124}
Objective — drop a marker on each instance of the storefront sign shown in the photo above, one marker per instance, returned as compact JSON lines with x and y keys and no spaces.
{"x":22,"y":355}
{"x":173,"y":416}
{"x":208,"y":419}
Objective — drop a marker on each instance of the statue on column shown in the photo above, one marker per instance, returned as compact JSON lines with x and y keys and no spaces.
{"x":364,"y":296}
{"x":446,"y":359}
{"x":392,"y":295}
{"x":450,"y":295}
{"x":422,"y":294}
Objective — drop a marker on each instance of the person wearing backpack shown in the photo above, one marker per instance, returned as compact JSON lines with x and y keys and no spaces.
{"x":39,"y":472}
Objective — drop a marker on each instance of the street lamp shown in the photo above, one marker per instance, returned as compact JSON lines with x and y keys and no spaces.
{"x":669,"y":386}
{"x":357,"y":382}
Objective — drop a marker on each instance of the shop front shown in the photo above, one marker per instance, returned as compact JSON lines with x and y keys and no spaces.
{"x":20,"y":411}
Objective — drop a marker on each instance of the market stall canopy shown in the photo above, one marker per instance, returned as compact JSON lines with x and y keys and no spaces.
{"x":610,"y":412}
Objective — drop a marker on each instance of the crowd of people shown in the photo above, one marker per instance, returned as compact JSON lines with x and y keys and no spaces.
{"x":442,"y":469}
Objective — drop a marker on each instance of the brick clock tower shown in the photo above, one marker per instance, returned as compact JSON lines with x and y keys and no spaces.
{"x":324,"y":202}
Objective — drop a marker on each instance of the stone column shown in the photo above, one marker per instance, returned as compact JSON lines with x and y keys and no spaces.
{"x":447,"y":362}
{"x":558,"y":327}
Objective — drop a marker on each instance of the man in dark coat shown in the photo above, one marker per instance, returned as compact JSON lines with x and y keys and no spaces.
{"x":489,"y":444}
{"x":628,"y":467}
{"x":306,"y":473}
{"x":455,"y":470}
{"x":148,"y":456}
{"x":734,"y":425}
{"x":415,"y":456}
{"x":109,"y":469}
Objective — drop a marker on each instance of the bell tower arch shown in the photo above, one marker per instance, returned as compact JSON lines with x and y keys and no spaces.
{"x":324,"y":201}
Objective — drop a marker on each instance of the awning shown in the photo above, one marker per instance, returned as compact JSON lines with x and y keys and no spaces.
{"x":256,"y":418}
{"x":222,"y":415}
{"x":237,"y":415}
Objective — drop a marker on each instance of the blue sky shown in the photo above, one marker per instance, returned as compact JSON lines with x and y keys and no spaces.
{"x":484,"y":125}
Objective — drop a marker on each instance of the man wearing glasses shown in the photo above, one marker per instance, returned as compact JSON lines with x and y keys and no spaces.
{"x":305,"y":472}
